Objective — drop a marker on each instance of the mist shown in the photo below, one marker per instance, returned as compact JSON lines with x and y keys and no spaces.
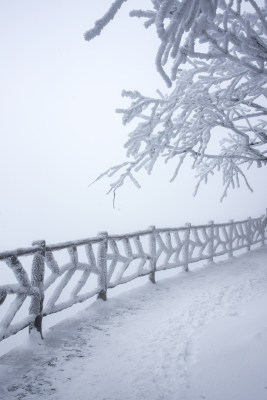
{"x":59,"y":130}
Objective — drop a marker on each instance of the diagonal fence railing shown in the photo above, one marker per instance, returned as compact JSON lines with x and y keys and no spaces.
{"x":45,"y":279}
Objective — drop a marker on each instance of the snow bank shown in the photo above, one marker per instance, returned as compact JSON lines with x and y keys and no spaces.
{"x":197,"y":335}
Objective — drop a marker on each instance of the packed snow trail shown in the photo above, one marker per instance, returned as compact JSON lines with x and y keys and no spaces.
{"x":156,"y":342}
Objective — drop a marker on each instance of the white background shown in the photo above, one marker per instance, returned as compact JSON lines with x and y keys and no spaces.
{"x":59,"y":129}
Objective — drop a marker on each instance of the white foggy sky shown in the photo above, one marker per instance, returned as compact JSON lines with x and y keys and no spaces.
{"x":59,"y":129}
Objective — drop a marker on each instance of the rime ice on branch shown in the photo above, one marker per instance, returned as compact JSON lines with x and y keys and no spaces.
{"x":214,"y":53}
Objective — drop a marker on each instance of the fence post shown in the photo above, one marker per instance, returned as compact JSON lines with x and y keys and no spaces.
{"x":249,"y":233}
{"x":102,"y":265}
{"x":186,"y":247}
{"x":263,"y":225}
{"x":153,"y":254}
{"x":211,"y":244}
{"x":37,"y":280}
{"x":231,"y":231}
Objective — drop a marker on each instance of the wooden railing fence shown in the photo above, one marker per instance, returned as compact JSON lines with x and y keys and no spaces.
{"x":54,"y":277}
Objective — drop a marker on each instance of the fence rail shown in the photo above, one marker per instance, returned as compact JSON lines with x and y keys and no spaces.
{"x":58,"y":276}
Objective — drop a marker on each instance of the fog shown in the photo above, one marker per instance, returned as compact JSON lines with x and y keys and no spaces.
{"x":59,"y":130}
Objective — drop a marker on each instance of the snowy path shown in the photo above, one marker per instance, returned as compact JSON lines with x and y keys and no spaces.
{"x":171,"y":341}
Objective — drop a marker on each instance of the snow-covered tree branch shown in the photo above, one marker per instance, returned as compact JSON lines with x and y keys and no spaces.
{"x":213,"y":54}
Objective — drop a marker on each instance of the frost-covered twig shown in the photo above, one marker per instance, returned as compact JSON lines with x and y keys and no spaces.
{"x":214,"y":53}
{"x":101,"y":23}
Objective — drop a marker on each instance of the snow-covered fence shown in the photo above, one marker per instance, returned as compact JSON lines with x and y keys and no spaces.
{"x":61,"y":275}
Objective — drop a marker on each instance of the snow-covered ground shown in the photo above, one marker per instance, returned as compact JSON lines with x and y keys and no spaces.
{"x":196,"y":335}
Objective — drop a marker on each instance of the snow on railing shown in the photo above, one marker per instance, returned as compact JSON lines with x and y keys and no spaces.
{"x":61,"y":275}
